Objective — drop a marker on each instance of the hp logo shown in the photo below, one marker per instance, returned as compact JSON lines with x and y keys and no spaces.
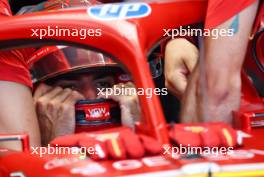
{"x":119,"y":11}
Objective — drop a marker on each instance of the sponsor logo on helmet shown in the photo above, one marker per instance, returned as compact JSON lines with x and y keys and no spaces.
{"x":119,"y":11}
{"x":96,"y":113}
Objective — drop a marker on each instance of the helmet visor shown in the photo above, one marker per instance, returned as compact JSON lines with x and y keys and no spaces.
{"x":50,"y":62}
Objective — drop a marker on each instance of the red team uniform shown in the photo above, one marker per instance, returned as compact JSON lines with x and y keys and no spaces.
{"x":215,"y":9}
{"x":13,"y":64}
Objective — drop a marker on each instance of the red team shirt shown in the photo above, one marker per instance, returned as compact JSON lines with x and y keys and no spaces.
{"x":13,"y":64}
{"x":218,"y":11}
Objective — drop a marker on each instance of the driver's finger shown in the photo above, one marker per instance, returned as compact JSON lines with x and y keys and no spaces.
{"x":43,"y":102}
{"x":50,"y":94}
{"x":68,"y":105}
{"x":73,"y":98}
{"x":41,"y":90}
{"x":54,"y":104}
{"x":62,"y":96}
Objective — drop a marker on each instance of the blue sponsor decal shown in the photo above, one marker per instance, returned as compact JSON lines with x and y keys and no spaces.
{"x":119,"y":11}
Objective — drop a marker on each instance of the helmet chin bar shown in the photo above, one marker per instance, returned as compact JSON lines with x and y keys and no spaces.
{"x":99,"y":114}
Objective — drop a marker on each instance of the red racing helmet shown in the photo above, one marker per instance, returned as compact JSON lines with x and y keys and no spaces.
{"x":59,"y":62}
{"x":52,"y":63}
{"x":56,"y":61}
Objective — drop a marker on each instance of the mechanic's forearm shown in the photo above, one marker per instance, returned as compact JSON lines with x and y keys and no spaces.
{"x":17,"y":114}
{"x":210,"y":104}
{"x":220,"y":100}
{"x":218,"y":94}
{"x":222,"y":88}
{"x":223,"y":63}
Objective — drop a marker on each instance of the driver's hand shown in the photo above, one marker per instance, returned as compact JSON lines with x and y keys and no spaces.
{"x":180,"y":59}
{"x":55,"y":109}
{"x":129,"y":103}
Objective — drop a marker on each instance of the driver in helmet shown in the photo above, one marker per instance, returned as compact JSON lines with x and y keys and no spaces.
{"x":64,"y":76}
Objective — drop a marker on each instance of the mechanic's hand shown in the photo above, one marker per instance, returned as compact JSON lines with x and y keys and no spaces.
{"x":129,"y":103}
{"x":204,"y":135}
{"x":55,"y":110}
{"x":115,"y":143}
{"x":180,"y":59}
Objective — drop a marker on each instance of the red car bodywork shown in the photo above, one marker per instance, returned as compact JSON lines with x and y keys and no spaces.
{"x":134,"y":39}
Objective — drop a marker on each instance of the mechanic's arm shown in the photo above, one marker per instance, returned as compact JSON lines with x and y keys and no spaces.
{"x":180,"y":59}
{"x":17,"y":113}
{"x":223,"y":62}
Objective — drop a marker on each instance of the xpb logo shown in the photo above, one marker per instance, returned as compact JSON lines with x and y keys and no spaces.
{"x":119,"y":11}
